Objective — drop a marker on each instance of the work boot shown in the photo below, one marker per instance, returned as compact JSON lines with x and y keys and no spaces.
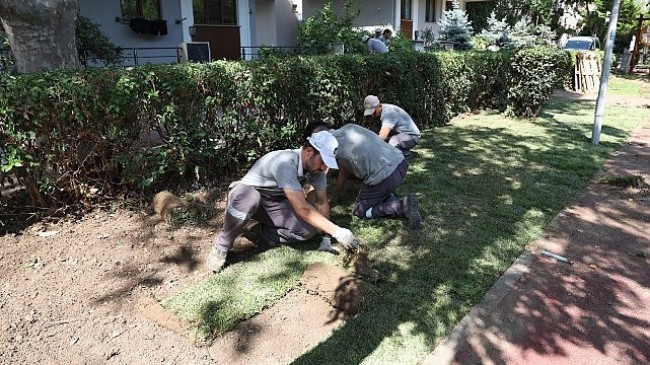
{"x":411,"y":211}
{"x":216,"y":260}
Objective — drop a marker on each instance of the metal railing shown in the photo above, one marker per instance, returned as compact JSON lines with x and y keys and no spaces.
{"x":138,"y":55}
{"x":249,"y":52}
{"x":145,"y":53}
{"x":134,"y":56}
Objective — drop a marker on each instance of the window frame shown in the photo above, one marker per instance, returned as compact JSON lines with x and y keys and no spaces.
{"x":430,"y":11}
{"x":138,"y":8}
{"x":406,"y":5}
{"x":222,"y":7}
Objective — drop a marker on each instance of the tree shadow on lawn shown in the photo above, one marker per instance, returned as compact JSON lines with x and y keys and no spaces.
{"x":597,"y":303}
{"x":456,"y":260}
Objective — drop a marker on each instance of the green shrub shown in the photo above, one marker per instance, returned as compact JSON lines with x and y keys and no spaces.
{"x":535,"y":73}
{"x":81,"y":135}
{"x":94,"y":45}
{"x":318,"y":33}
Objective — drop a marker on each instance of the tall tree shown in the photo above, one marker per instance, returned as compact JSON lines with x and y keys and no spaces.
{"x":41,"y":33}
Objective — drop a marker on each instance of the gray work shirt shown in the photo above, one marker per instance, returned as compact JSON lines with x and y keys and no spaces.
{"x":279,"y":170}
{"x":376,"y":46}
{"x":398,"y":120}
{"x":365,"y":155}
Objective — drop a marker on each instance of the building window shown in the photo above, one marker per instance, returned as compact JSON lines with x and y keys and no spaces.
{"x":215,"y":11}
{"x":146,"y":9}
{"x":406,"y":9}
{"x":449,"y":5}
{"x":430,"y":15}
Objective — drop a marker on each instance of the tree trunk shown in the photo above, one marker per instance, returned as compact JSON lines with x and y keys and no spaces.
{"x":41,"y":33}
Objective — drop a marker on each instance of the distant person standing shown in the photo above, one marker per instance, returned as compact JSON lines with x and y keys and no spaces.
{"x":374,"y":44}
{"x":397,"y":127}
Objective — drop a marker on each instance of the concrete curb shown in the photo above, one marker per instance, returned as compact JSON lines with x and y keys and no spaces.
{"x":473,"y":322}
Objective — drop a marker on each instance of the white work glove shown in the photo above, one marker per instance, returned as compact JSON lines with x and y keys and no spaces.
{"x":326,"y":245}
{"x":345,"y":237}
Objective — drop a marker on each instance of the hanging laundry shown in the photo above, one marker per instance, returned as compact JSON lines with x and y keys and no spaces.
{"x":159,"y":27}
{"x":151,"y":27}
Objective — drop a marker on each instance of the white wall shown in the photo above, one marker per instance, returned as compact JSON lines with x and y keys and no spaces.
{"x":266,"y":23}
{"x":243,"y":20}
{"x":377,"y":13}
{"x":105,"y":12}
{"x":374,"y":13}
{"x":286,"y":24}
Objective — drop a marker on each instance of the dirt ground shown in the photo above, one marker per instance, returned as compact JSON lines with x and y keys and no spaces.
{"x":85,"y":292}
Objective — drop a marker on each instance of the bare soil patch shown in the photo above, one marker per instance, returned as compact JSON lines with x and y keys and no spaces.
{"x":88,"y":292}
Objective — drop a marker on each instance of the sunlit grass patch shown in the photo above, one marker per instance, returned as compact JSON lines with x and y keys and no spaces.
{"x":241,"y":290}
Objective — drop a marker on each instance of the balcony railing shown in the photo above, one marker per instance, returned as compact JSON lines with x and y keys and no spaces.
{"x":140,"y":55}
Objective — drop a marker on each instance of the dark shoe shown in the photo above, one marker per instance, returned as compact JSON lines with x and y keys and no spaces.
{"x":273,"y":244}
{"x":409,"y":155}
{"x":216,"y":259}
{"x":411,"y":211}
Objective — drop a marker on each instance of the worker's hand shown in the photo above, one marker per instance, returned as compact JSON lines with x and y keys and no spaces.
{"x":326,"y":245}
{"x":345,"y":237}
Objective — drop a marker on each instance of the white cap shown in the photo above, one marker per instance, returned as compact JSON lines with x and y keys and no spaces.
{"x":365,"y":38}
{"x":326,"y":145}
{"x":369,"y":105}
{"x":377,"y":30}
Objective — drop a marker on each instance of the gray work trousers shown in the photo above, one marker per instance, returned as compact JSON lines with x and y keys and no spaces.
{"x":380,"y":197}
{"x":403,"y":142}
{"x":280,"y":224}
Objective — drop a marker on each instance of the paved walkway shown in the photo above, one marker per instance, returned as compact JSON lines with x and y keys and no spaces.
{"x":593,"y":311}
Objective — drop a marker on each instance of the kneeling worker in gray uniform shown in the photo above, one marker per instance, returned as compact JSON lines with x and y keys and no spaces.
{"x":381,"y":168}
{"x":272,"y":194}
{"x":397,"y":127}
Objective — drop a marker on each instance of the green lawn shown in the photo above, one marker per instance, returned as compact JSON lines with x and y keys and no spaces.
{"x":488,"y":185}
{"x":629,"y":85}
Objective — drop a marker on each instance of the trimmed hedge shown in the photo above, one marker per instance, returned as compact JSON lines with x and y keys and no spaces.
{"x":75,"y":136}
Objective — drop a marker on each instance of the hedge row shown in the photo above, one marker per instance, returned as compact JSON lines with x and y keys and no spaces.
{"x":71,"y":136}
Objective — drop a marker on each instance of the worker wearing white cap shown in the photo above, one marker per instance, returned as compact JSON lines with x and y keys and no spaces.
{"x":272,"y":194}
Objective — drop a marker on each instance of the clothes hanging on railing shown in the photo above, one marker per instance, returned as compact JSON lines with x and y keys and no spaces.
{"x":159,"y":27}
{"x":145,"y":26}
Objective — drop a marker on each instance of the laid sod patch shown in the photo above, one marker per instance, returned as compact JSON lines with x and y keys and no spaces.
{"x":623,"y":180}
{"x":487,"y":185}
{"x":241,"y":290}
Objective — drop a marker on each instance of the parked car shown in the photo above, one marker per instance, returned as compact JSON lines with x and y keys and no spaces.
{"x":582,"y":43}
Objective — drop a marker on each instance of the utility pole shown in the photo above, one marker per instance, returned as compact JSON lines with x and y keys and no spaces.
{"x":602,"y":90}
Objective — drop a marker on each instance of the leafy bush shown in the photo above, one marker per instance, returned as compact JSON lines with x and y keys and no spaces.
{"x":535,"y":73}
{"x":76,"y":136}
{"x":6,"y":61}
{"x":399,"y":43}
{"x":319,"y":32}
{"x":94,"y":45}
